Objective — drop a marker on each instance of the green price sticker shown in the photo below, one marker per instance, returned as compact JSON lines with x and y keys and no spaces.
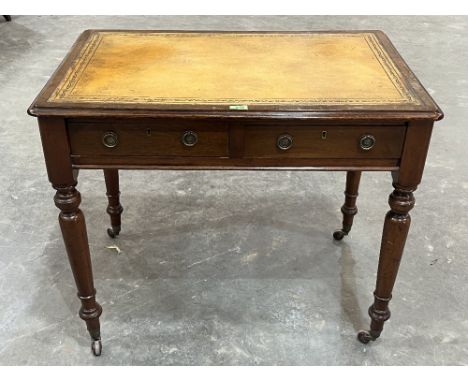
{"x":238,"y":107}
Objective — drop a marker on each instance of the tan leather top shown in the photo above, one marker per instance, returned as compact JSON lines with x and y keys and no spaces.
{"x":233,"y":69}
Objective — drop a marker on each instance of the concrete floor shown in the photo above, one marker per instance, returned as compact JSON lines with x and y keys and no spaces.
{"x":233,"y":268}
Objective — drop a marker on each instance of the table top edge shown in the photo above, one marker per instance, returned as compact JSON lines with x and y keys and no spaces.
{"x":428,"y":109}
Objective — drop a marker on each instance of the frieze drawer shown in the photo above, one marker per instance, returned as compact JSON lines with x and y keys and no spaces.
{"x":148,"y":139}
{"x":324,"y":141}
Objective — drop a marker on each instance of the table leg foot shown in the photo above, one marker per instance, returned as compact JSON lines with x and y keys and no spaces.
{"x":339,"y":234}
{"x":114,"y":231}
{"x":92,"y":323}
{"x":365,"y":336}
{"x":96,"y":347}
{"x":349,"y":208}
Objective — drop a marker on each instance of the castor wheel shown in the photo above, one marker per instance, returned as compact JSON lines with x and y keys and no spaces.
{"x":339,"y":235}
{"x":96,"y":347}
{"x":113,"y":232}
{"x":364,"y":336}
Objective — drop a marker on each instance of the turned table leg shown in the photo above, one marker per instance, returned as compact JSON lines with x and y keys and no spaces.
{"x":63,"y":177}
{"x":114,"y":208}
{"x":397,"y":223}
{"x":396,"y":226}
{"x":72,"y":224}
{"x":349,"y":208}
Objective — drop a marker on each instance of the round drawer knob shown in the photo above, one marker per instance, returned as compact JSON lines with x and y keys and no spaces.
{"x":367,"y":142}
{"x":284,"y":142}
{"x":189,"y":138}
{"x":110,"y":139}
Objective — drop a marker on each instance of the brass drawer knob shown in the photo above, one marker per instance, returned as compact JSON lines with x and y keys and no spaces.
{"x":189,"y":138}
{"x":110,"y":139}
{"x":367,"y":142}
{"x":284,"y":142}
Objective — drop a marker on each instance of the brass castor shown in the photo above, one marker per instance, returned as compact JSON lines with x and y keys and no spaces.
{"x":339,"y":235}
{"x":365,"y":336}
{"x":114,"y":231}
{"x":96,"y":347}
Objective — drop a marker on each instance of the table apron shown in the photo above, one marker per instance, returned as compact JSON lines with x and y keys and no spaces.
{"x":288,"y":145}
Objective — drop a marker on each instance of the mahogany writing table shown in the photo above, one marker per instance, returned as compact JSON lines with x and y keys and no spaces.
{"x":234,"y":100}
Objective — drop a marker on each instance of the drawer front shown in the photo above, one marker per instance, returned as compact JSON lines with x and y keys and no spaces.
{"x":324,"y":142}
{"x":148,"y":139}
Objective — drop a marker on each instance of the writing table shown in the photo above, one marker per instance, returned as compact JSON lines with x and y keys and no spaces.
{"x":173,"y":100}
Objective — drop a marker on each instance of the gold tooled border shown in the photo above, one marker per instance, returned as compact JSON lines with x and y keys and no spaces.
{"x":64,"y":91}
